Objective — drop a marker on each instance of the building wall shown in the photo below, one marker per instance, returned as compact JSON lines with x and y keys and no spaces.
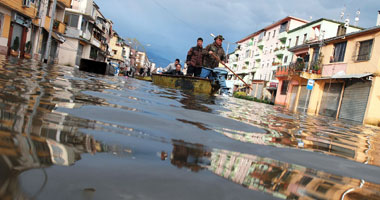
{"x":372,"y":116}
{"x":5,"y":26}
{"x":17,"y":6}
{"x":118,"y":48}
{"x":68,"y":52}
{"x":354,"y":67}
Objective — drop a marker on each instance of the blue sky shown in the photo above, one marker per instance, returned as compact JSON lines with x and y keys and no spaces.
{"x":172,"y":26}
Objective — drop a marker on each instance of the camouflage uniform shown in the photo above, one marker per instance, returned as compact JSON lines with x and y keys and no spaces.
{"x":208,"y":60}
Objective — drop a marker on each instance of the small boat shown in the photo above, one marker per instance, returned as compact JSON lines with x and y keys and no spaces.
{"x":144,"y":78}
{"x":188,"y":83}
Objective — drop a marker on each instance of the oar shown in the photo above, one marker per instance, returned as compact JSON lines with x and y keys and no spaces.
{"x":218,"y":59}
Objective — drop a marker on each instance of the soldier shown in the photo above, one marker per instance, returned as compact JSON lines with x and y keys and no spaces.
{"x":194,"y":59}
{"x":210,"y":68}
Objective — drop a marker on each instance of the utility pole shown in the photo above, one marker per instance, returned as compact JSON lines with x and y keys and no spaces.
{"x":48,"y":44}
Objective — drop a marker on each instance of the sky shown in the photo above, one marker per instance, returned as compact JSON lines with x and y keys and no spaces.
{"x":169,"y":28}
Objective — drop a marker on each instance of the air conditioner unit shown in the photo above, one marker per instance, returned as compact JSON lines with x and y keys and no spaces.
{"x":26,"y":3}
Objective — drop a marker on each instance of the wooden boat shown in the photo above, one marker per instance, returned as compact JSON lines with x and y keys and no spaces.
{"x":144,"y":78}
{"x":193,"y":84}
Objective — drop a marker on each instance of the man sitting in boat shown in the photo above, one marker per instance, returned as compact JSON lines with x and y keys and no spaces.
{"x":177,"y":71}
{"x":212,"y":54}
{"x":172,"y":66}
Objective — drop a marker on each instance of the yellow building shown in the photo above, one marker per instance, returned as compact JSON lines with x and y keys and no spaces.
{"x":120,"y":51}
{"x":24,"y":26}
{"x":18,"y":19}
{"x":349,"y":86}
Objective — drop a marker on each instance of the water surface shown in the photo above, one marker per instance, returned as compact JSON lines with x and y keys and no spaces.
{"x":67,"y":134}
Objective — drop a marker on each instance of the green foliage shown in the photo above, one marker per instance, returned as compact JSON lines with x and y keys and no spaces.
{"x":16,"y":44}
{"x":28,"y":47}
{"x":243,"y":95}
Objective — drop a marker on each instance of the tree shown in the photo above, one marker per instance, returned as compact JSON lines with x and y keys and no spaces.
{"x":16,"y":44}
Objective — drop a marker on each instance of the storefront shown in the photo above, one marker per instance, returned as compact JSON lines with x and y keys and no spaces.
{"x":355,"y":100}
{"x":20,"y":36}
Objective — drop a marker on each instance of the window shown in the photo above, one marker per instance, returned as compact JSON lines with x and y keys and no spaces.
{"x":72,"y":20}
{"x":93,"y":53}
{"x":286,"y":59}
{"x":284,"y":87}
{"x":274,"y":75}
{"x":365,"y":50}
{"x":274,"y":33}
{"x":341,"y":30}
{"x":284,"y":27}
{"x":315,"y":54}
{"x":305,"y":180}
{"x":305,"y":38}
{"x":290,"y":42}
{"x":268,"y":36}
{"x":297,"y":38}
{"x":339,"y":51}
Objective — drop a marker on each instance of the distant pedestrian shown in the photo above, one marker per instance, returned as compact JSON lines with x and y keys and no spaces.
{"x":172,"y":66}
{"x":194,"y":59}
{"x":210,"y":63}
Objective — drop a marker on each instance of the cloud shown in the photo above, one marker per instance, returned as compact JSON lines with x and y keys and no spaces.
{"x":172,"y":26}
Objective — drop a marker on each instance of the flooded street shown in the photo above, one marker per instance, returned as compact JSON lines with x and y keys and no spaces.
{"x":67,"y":134}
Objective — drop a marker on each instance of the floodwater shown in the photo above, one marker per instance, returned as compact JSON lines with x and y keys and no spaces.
{"x":67,"y":134}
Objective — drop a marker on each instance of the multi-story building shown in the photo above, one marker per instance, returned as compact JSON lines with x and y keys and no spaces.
{"x":25,"y":26}
{"x":255,"y":59}
{"x":120,"y":51}
{"x":349,"y":86}
{"x":87,"y":34}
{"x":19,"y":25}
{"x":303,"y":44}
{"x":345,"y":69}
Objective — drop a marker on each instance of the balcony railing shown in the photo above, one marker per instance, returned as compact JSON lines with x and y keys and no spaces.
{"x":66,"y":3}
{"x":59,"y":27}
{"x":292,"y":69}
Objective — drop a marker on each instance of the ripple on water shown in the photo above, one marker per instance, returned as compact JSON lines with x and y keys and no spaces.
{"x":67,"y":134}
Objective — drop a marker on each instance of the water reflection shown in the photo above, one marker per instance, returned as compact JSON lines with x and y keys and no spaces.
{"x":282,"y":180}
{"x":56,"y":116}
{"x":284,"y":129}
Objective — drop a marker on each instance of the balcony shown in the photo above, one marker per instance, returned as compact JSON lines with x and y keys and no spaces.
{"x":283,"y":37}
{"x":59,"y":27}
{"x":279,"y":52}
{"x":293,"y":69}
{"x":66,"y":3}
{"x":333,"y":68}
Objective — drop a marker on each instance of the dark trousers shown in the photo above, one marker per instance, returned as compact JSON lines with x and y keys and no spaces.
{"x":196,"y":71}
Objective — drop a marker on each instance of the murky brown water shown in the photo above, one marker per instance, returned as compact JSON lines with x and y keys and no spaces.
{"x":66,"y":134}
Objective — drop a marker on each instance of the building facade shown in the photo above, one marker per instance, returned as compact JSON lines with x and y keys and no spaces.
{"x":349,"y":86}
{"x":300,"y":52}
{"x":25,"y":26}
{"x":255,"y":60}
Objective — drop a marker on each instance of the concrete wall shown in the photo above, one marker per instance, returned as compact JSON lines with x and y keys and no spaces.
{"x":372,"y":115}
{"x":68,"y":52}
{"x":353,"y":66}
{"x":5,"y":26}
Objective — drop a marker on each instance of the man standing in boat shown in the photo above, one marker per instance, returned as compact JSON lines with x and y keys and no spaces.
{"x":194,"y":59}
{"x":212,"y":55}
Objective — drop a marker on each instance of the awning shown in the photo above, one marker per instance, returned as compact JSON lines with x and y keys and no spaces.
{"x":58,"y":37}
{"x":346,"y":76}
